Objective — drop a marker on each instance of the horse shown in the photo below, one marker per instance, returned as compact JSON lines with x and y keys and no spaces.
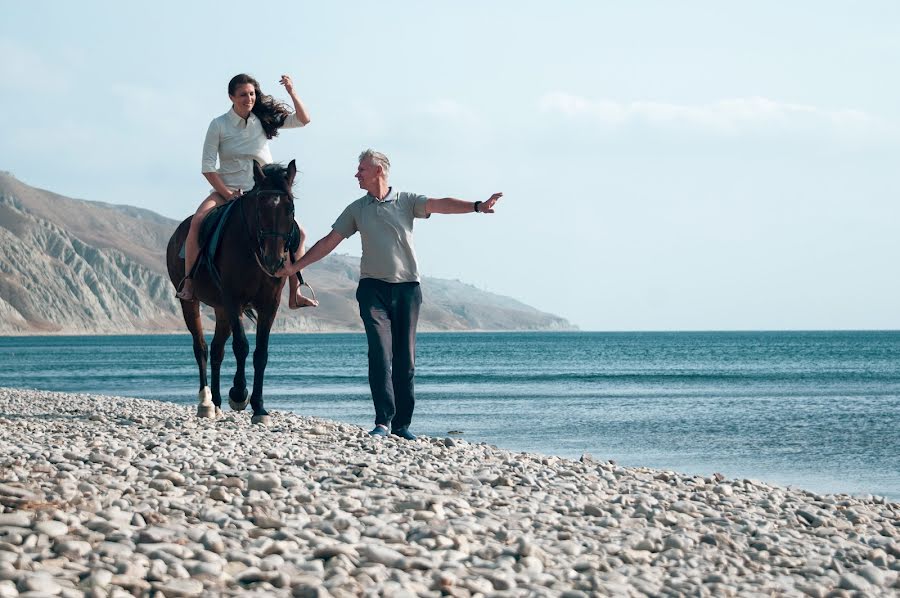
{"x":253,"y":246}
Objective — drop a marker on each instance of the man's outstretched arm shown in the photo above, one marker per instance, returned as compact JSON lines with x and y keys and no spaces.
{"x":323,"y":247}
{"x":449,"y":205}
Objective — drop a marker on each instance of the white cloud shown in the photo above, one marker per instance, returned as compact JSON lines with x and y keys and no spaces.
{"x":724,"y":116}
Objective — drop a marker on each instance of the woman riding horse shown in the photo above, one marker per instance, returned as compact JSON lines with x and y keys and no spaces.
{"x":239,"y":138}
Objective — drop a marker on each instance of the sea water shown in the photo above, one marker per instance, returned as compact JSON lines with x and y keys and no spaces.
{"x":817,"y":410}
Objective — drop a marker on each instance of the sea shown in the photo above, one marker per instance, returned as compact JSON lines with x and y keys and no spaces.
{"x":813,"y":410}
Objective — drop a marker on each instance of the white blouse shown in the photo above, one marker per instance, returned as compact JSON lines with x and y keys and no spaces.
{"x":237,"y":143}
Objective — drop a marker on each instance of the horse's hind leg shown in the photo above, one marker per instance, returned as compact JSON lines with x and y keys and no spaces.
{"x":191,"y":312}
{"x":217,"y":355}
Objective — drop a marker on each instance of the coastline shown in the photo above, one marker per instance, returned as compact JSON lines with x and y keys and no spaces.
{"x":252,"y":331}
{"x":103,"y":495}
{"x":573,"y":330}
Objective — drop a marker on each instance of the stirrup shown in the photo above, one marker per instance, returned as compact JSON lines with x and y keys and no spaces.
{"x":311,"y":290}
{"x":299,"y":287}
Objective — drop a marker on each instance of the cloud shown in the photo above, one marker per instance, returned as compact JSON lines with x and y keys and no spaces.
{"x":727,"y":116}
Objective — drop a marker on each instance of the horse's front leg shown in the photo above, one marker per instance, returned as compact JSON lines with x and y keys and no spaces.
{"x":217,"y":356}
{"x":260,"y":359}
{"x":237,"y":396}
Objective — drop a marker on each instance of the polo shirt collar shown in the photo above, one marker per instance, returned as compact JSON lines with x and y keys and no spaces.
{"x":391,"y":196}
{"x":235,"y":119}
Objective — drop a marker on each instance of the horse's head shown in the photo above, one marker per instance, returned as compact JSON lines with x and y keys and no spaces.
{"x":274,"y":207}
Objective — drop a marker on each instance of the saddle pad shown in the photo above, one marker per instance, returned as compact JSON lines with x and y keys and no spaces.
{"x":211,"y":229}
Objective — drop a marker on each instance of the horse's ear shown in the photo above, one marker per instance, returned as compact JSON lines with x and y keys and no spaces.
{"x":291,"y":172}
{"x":258,"y":175}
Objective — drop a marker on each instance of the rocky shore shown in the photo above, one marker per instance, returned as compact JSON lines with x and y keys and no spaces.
{"x":109,"y":496}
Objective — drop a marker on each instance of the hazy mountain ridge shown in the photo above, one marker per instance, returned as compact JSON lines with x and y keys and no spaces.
{"x":70,"y":266}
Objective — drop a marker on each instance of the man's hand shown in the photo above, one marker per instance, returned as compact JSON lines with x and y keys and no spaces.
{"x":450,"y":205}
{"x":286,"y":271}
{"x":487,"y":207}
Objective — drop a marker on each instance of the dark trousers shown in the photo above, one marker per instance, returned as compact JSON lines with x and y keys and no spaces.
{"x":390,"y":313}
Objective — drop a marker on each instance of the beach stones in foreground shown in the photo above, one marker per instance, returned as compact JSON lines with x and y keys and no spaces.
{"x":104,"y":496}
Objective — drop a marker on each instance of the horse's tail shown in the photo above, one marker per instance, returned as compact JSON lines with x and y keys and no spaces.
{"x":251,"y":314}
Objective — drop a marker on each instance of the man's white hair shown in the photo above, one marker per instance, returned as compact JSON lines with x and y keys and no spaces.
{"x":378,"y":159}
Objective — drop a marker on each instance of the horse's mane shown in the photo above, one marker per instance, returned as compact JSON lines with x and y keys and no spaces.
{"x":276,"y":172}
{"x":274,"y":169}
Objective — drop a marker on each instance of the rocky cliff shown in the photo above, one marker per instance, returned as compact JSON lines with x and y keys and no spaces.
{"x":70,"y":266}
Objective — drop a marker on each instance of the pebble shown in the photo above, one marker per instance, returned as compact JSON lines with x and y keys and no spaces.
{"x":8,"y":589}
{"x":100,"y":578}
{"x":147,"y":499}
{"x":221,"y":494}
{"x":179,"y":587}
{"x":873,"y":575}
{"x":265,"y":482}
{"x":76,"y":548}
{"x":40,"y":582}
{"x":381,"y":554}
{"x":51,"y":528}
{"x":16,"y":519}
{"x":851,"y":581}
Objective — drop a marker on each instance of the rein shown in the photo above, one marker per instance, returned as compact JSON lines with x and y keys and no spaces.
{"x":262,"y":235}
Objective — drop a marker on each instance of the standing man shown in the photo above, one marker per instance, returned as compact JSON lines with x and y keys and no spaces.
{"x":388,"y":294}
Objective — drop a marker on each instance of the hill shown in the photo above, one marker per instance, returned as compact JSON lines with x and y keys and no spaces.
{"x":70,"y":266}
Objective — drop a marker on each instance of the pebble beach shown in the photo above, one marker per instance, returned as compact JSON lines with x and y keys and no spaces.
{"x":113,"y":496}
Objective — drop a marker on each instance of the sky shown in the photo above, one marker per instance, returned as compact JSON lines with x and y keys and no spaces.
{"x":665,"y":165}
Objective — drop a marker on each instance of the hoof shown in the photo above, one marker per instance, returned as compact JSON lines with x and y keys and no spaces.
{"x":260,"y":419}
{"x":235,"y":404}
{"x":206,"y":407}
{"x":219,"y":412}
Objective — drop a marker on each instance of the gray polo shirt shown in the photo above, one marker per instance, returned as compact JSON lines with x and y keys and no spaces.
{"x":386,"y":230}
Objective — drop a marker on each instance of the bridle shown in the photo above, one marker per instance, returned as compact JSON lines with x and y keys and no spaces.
{"x":262,"y":235}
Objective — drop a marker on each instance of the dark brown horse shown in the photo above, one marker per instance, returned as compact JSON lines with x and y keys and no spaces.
{"x":254,"y":245}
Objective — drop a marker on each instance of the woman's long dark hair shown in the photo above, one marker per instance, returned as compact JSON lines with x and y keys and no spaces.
{"x":270,"y":112}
